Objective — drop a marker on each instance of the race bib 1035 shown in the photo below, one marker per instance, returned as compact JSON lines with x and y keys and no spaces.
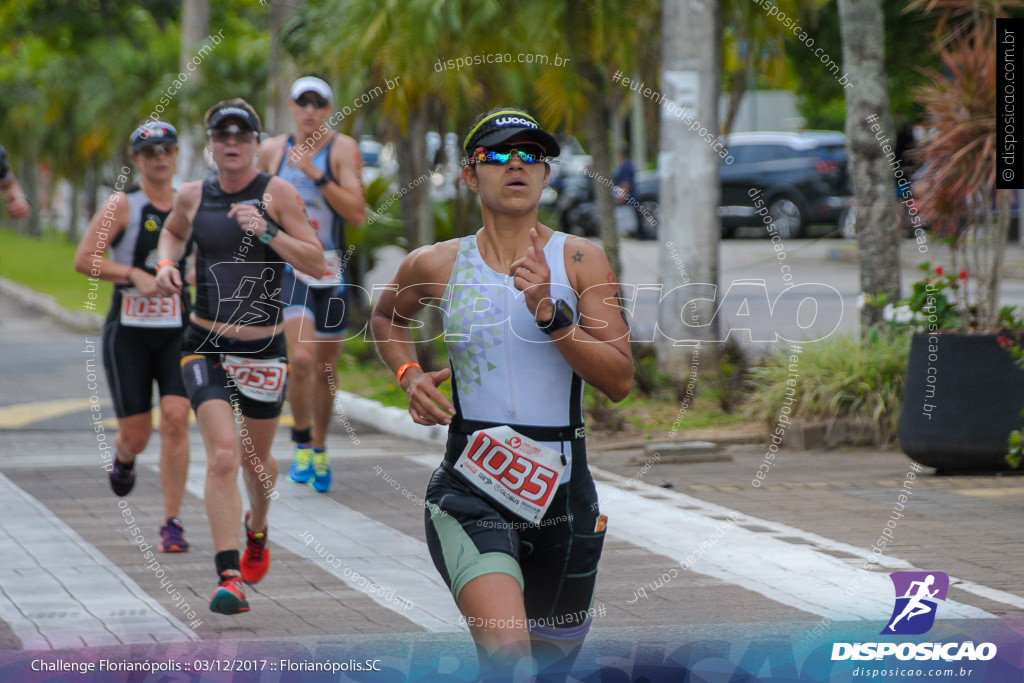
{"x":513,"y":470}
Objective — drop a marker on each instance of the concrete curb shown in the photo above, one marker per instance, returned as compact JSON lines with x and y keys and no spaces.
{"x":394,"y":421}
{"x":82,"y":321}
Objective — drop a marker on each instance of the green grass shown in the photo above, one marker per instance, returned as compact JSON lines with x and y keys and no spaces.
{"x":362,"y":373}
{"x":46,"y":265}
{"x":660,"y":413}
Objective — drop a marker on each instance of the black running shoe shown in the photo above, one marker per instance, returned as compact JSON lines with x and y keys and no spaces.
{"x":122,"y":479}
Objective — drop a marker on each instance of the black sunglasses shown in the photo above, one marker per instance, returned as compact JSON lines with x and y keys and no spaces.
{"x":317,"y":101}
{"x":154,"y":150}
{"x":242,"y":135}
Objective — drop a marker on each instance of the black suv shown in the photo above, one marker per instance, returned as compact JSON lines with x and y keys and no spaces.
{"x":799,"y":178}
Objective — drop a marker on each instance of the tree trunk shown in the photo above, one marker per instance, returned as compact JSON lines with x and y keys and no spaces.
{"x":870,"y":139}
{"x":411,"y":152}
{"x":689,"y":231}
{"x":280,"y":69}
{"x":29,"y":180}
{"x":417,"y":213}
{"x":736,"y":93}
{"x":195,"y":28}
{"x":74,"y":213}
{"x":596,"y":124}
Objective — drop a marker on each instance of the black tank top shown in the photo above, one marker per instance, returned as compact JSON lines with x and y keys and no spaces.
{"x":238,"y":278}
{"x":135,"y":246}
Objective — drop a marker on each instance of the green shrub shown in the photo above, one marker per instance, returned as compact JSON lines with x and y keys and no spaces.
{"x":646,"y":378}
{"x":838,"y":377}
{"x":728,"y":385}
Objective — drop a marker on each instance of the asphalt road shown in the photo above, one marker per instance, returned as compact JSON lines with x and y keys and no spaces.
{"x":752,"y":284}
{"x":702,"y":571}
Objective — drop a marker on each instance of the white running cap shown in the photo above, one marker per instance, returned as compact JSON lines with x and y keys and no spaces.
{"x":312,"y":84}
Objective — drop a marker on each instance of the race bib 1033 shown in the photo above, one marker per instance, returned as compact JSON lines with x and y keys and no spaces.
{"x":150,"y":311}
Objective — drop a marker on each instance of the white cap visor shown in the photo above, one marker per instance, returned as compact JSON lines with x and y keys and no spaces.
{"x":312,"y":84}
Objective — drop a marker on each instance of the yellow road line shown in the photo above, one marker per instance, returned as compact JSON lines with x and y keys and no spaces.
{"x":993,"y":492}
{"x":22,"y":414}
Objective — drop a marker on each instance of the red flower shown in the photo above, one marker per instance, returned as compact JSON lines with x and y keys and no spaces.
{"x":1004,"y":341}
{"x":963,"y":274}
{"x":938,"y":270}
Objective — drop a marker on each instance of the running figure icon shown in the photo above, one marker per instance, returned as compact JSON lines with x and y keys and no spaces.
{"x":917,"y":595}
{"x":915,"y":607}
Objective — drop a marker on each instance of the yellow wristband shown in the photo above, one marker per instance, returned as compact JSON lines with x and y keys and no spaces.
{"x":402,"y":370}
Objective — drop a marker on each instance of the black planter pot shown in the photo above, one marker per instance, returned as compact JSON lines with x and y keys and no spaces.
{"x":963,"y":397}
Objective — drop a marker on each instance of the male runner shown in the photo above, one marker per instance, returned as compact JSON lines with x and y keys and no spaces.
{"x":326,"y":168}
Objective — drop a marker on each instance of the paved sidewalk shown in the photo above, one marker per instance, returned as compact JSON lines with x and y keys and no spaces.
{"x":351,"y":577}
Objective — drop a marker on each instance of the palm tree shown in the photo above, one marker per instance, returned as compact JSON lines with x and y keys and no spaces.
{"x":867,"y":113}
{"x":367,"y":44}
{"x":754,"y":43}
{"x":600,"y":38}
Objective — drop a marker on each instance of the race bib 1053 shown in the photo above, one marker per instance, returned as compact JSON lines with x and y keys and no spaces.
{"x":259,"y":379}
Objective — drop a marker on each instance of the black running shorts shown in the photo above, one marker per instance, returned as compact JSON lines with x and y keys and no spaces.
{"x":323,"y":310}
{"x":206,"y":379}
{"x":133,"y":357}
{"x":555,"y":562}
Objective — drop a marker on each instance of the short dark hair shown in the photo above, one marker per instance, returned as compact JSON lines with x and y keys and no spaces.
{"x":314,"y":74}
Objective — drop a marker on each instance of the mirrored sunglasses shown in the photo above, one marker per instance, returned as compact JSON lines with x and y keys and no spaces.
{"x":490,"y":156}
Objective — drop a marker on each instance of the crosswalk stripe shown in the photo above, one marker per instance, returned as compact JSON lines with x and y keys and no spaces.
{"x":711,"y":539}
{"x":58,"y":591}
{"x":391,"y":568}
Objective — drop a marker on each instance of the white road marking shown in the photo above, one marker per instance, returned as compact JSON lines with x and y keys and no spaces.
{"x":57,"y":591}
{"x":794,"y":574}
{"x":388,"y":566}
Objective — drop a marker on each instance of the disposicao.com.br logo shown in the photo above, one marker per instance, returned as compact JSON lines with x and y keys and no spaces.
{"x":917,"y":598}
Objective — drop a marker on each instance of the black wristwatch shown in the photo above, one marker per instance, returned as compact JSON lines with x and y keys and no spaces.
{"x":563,"y":317}
{"x":270,"y":231}
{"x":322,"y":180}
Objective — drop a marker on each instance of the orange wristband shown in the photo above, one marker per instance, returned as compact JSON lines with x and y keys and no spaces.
{"x":167,"y":262}
{"x":402,"y":370}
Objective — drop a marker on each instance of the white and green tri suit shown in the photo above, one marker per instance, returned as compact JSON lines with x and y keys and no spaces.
{"x":506,"y":371}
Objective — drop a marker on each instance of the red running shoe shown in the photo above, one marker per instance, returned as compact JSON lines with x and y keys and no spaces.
{"x":229,"y":598}
{"x":256,"y":556}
